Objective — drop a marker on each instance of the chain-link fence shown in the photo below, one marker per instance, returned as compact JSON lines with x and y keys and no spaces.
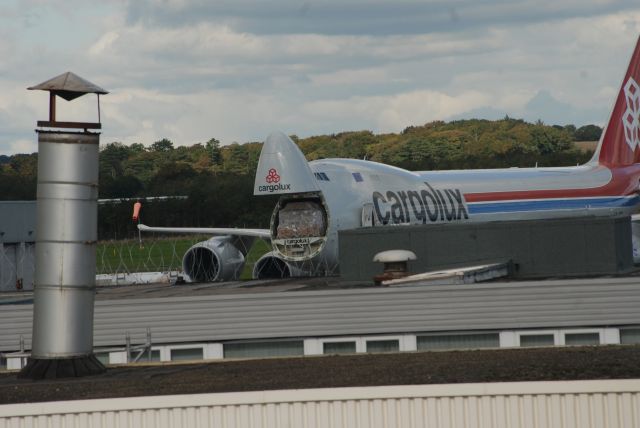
{"x":156,"y":258}
{"x":17,"y":266}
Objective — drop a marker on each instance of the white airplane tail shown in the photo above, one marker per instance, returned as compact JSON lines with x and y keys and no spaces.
{"x":282,"y":168}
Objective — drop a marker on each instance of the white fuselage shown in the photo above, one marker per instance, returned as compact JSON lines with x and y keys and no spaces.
{"x":361,"y":193}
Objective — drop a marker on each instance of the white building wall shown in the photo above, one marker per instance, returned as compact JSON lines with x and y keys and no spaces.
{"x":315,"y":346}
{"x":575,"y":404}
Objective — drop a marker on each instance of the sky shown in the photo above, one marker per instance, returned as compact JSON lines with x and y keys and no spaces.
{"x":236,"y":70}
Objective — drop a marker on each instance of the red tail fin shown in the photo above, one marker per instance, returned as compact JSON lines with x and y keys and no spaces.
{"x":620,"y":141}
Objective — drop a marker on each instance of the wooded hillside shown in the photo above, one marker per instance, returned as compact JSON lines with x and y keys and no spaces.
{"x":218,"y":180}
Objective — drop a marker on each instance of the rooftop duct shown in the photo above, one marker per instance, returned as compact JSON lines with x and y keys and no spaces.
{"x":66,"y":235}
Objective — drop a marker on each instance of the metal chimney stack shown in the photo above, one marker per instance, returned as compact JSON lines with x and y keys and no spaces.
{"x":66,"y":235}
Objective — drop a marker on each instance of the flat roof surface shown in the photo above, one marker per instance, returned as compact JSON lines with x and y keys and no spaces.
{"x":320,"y":307}
{"x":415,"y":368}
{"x":158,"y":290}
{"x":259,"y":286}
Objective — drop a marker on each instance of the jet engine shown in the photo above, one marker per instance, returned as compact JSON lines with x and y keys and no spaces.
{"x":216,"y":259}
{"x":271,"y":266}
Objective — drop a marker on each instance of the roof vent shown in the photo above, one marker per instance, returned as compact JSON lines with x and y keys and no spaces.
{"x":395,"y":264}
{"x":68,"y":86}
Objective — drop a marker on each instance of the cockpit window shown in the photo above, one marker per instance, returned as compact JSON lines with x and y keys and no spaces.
{"x":300,"y":220}
{"x":357,"y":176}
{"x":321,"y":176}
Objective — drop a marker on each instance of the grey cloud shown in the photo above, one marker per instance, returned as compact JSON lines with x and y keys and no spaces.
{"x":192,"y":73}
{"x":543,"y":106}
{"x":488,"y":113}
{"x":200,"y":59}
{"x":15,"y":128}
{"x":366,"y":17}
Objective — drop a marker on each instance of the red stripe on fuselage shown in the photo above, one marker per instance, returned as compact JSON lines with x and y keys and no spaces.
{"x":624,"y":181}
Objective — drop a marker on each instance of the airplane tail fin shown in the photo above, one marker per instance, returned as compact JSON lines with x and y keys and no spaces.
{"x":620,"y":139}
{"x":282,"y":168}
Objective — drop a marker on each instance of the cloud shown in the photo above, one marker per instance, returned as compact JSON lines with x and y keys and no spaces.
{"x":236,"y":70}
{"x":545,"y":107}
{"x":104,"y":44}
{"x":207,"y":56}
{"x":23,"y":146}
{"x":364,"y":17}
{"x":392,"y":113}
{"x":179,"y":118}
{"x":542,"y":106}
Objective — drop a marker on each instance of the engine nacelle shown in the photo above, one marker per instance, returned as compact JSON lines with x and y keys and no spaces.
{"x":216,"y":259}
{"x":271,"y":266}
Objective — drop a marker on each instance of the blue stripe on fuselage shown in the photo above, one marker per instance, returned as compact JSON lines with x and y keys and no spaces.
{"x":551,"y":204}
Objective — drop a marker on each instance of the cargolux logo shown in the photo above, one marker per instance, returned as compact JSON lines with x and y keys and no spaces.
{"x":420,"y":206}
{"x":631,"y":117}
{"x":272,"y":176}
{"x":274,"y":183}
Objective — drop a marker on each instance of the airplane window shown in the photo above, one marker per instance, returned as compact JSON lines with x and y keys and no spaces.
{"x":357,"y":176}
{"x":321,"y":176}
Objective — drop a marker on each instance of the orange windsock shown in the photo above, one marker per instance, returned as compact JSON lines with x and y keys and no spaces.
{"x":136,"y":211}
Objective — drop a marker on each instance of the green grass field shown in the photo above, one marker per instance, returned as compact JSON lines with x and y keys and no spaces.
{"x":159,"y":255}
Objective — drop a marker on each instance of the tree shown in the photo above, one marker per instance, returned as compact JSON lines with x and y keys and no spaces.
{"x":24,"y":165}
{"x":550,"y":140}
{"x":213,"y":148}
{"x":571,"y":130}
{"x":142,"y":166}
{"x":125,"y":186}
{"x":172,"y":178}
{"x":136,"y":148}
{"x":588,"y":133}
{"x":219,"y":179}
{"x":163,"y":145}
{"x":112,"y":157}
{"x":236,"y":159}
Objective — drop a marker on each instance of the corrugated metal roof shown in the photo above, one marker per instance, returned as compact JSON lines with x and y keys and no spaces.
{"x":496,"y":306}
{"x":587,"y":404}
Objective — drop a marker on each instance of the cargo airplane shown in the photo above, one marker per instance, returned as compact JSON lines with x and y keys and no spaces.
{"x":321,"y":197}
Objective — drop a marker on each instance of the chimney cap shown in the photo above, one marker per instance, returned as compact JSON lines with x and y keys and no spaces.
{"x":394,"y":256}
{"x":69,"y":86}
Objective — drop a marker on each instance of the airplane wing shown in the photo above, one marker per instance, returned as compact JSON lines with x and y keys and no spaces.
{"x":256,"y":233}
